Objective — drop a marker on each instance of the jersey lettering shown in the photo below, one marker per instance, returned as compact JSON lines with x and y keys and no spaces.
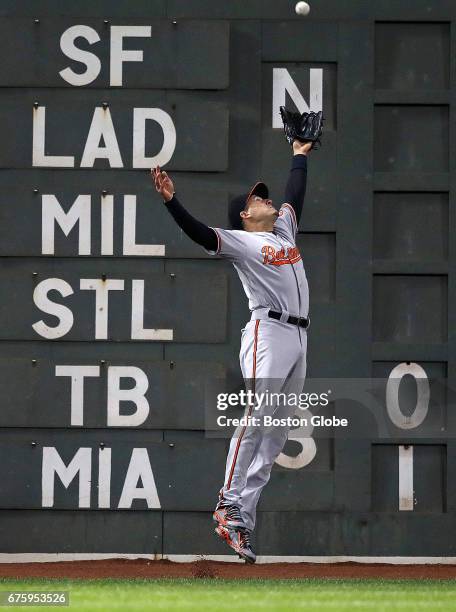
{"x":283,"y":256}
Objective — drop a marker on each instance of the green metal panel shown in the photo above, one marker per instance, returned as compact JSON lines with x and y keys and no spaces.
{"x":201,"y":120}
{"x":60,"y":531}
{"x":20,"y":210}
{"x":166,"y":298}
{"x":401,"y":148}
{"x":411,"y":227}
{"x":429,"y":483}
{"x":165,"y":53}
{"x":411,"y":56}
{"x":35,"y":395}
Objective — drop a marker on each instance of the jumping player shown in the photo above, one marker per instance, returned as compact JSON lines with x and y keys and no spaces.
{"x":262,"y":247}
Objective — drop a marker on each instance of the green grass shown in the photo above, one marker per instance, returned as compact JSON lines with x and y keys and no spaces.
{"x":233,"y":595}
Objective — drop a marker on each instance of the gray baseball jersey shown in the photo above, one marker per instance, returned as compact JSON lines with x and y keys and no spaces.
{"x":269,"y":265}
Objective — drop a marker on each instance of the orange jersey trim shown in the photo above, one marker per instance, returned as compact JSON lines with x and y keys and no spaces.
{"x":219,"y":241}
{"x":293,"y":214}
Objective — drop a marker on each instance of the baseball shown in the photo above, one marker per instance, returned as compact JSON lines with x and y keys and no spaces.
{"x":302,"y":8}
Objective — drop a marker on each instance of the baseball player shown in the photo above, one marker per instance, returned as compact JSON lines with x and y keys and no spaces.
{"x":261,"y":244}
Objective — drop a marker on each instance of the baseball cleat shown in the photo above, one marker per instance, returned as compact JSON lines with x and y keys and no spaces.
{"x":228,"y":515}
{"x":239,"y":541}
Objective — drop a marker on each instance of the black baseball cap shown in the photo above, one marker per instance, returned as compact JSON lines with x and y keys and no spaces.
{"x":238,"y":203}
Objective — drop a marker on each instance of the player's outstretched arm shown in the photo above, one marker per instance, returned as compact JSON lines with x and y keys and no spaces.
{"x":197,"y":231}
{"x":295,"y":189}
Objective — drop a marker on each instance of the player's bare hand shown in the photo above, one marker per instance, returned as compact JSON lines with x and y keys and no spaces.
{"x":163,"y":184}
{"x":301,"y":147}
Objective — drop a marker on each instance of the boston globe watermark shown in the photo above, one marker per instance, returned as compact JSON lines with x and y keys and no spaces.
{"x":402,"y":402}
{"x":263,"y":409}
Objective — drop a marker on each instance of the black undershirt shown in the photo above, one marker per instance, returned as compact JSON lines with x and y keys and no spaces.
{"x":200,"y":233}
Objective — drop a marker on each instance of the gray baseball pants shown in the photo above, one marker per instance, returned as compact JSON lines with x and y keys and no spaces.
{"x":273,"y":361}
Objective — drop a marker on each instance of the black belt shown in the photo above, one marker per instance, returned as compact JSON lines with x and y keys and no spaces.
{"x":301,"y":321}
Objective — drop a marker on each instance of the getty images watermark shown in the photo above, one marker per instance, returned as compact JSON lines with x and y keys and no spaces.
{"x":398,"y":401}
{"x":276,"y":409}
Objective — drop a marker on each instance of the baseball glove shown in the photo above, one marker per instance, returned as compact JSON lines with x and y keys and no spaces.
{"x":307,"y":127}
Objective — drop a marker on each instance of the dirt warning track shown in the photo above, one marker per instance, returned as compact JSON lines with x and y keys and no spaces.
{"x":143,"y":568}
